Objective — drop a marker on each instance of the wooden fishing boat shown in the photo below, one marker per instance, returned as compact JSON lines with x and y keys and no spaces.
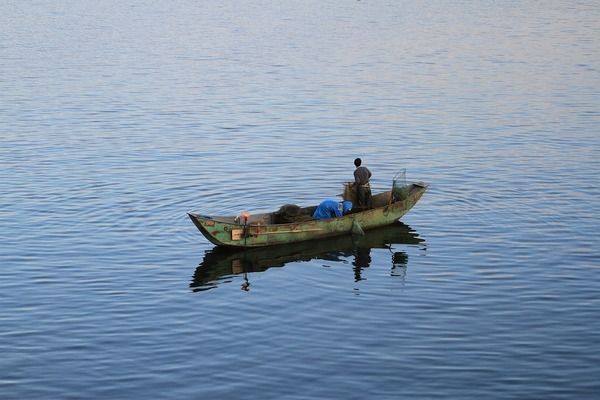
{"x":267,"y":229}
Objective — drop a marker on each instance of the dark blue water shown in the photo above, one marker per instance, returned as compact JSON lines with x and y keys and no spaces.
{"x":118,"y":119}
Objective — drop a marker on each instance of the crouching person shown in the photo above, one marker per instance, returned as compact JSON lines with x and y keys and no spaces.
{"x":332,"y":209}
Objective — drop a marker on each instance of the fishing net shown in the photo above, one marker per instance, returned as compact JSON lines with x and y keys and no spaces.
{"x":289,"y":213}
{"x":399,"y":186}
{"x":359,"y":195}
{"x":350,"y":192}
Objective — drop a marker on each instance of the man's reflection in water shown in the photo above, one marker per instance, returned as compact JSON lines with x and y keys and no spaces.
{"x":399,"y":264}
{"x":362,"y":259}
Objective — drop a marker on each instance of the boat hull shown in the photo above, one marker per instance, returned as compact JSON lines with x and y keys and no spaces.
{"x":225,"y":233}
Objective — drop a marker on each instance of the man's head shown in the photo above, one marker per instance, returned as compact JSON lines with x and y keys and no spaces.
{"x":357,"y":162}
{"x":346,"y":206}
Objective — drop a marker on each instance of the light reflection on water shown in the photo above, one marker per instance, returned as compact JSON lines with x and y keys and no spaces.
{"x":117,"y":119}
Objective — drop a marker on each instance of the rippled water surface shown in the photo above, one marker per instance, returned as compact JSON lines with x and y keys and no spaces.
{"x":118,"y":118}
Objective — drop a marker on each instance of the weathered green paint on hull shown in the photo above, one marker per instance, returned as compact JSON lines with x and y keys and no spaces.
{"x":225,"y":233}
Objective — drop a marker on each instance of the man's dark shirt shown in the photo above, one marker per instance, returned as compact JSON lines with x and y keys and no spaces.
{"x":362,"y":175}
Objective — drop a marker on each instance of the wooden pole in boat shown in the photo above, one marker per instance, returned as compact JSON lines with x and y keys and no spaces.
{"x":245,"y":215}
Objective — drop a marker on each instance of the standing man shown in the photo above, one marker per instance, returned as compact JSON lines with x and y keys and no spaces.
{"x":362,"y":175}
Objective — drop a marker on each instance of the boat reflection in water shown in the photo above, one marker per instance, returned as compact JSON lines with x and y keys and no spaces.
{"x":220,"y":264}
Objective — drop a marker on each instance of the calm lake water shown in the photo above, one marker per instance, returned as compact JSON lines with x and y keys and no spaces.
{"x":118,"y":118}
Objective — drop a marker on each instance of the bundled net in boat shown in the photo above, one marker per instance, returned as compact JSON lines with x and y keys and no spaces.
{"x":399,"y":186}
{"x":289,"y":213}
{"x":350,"y":192}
